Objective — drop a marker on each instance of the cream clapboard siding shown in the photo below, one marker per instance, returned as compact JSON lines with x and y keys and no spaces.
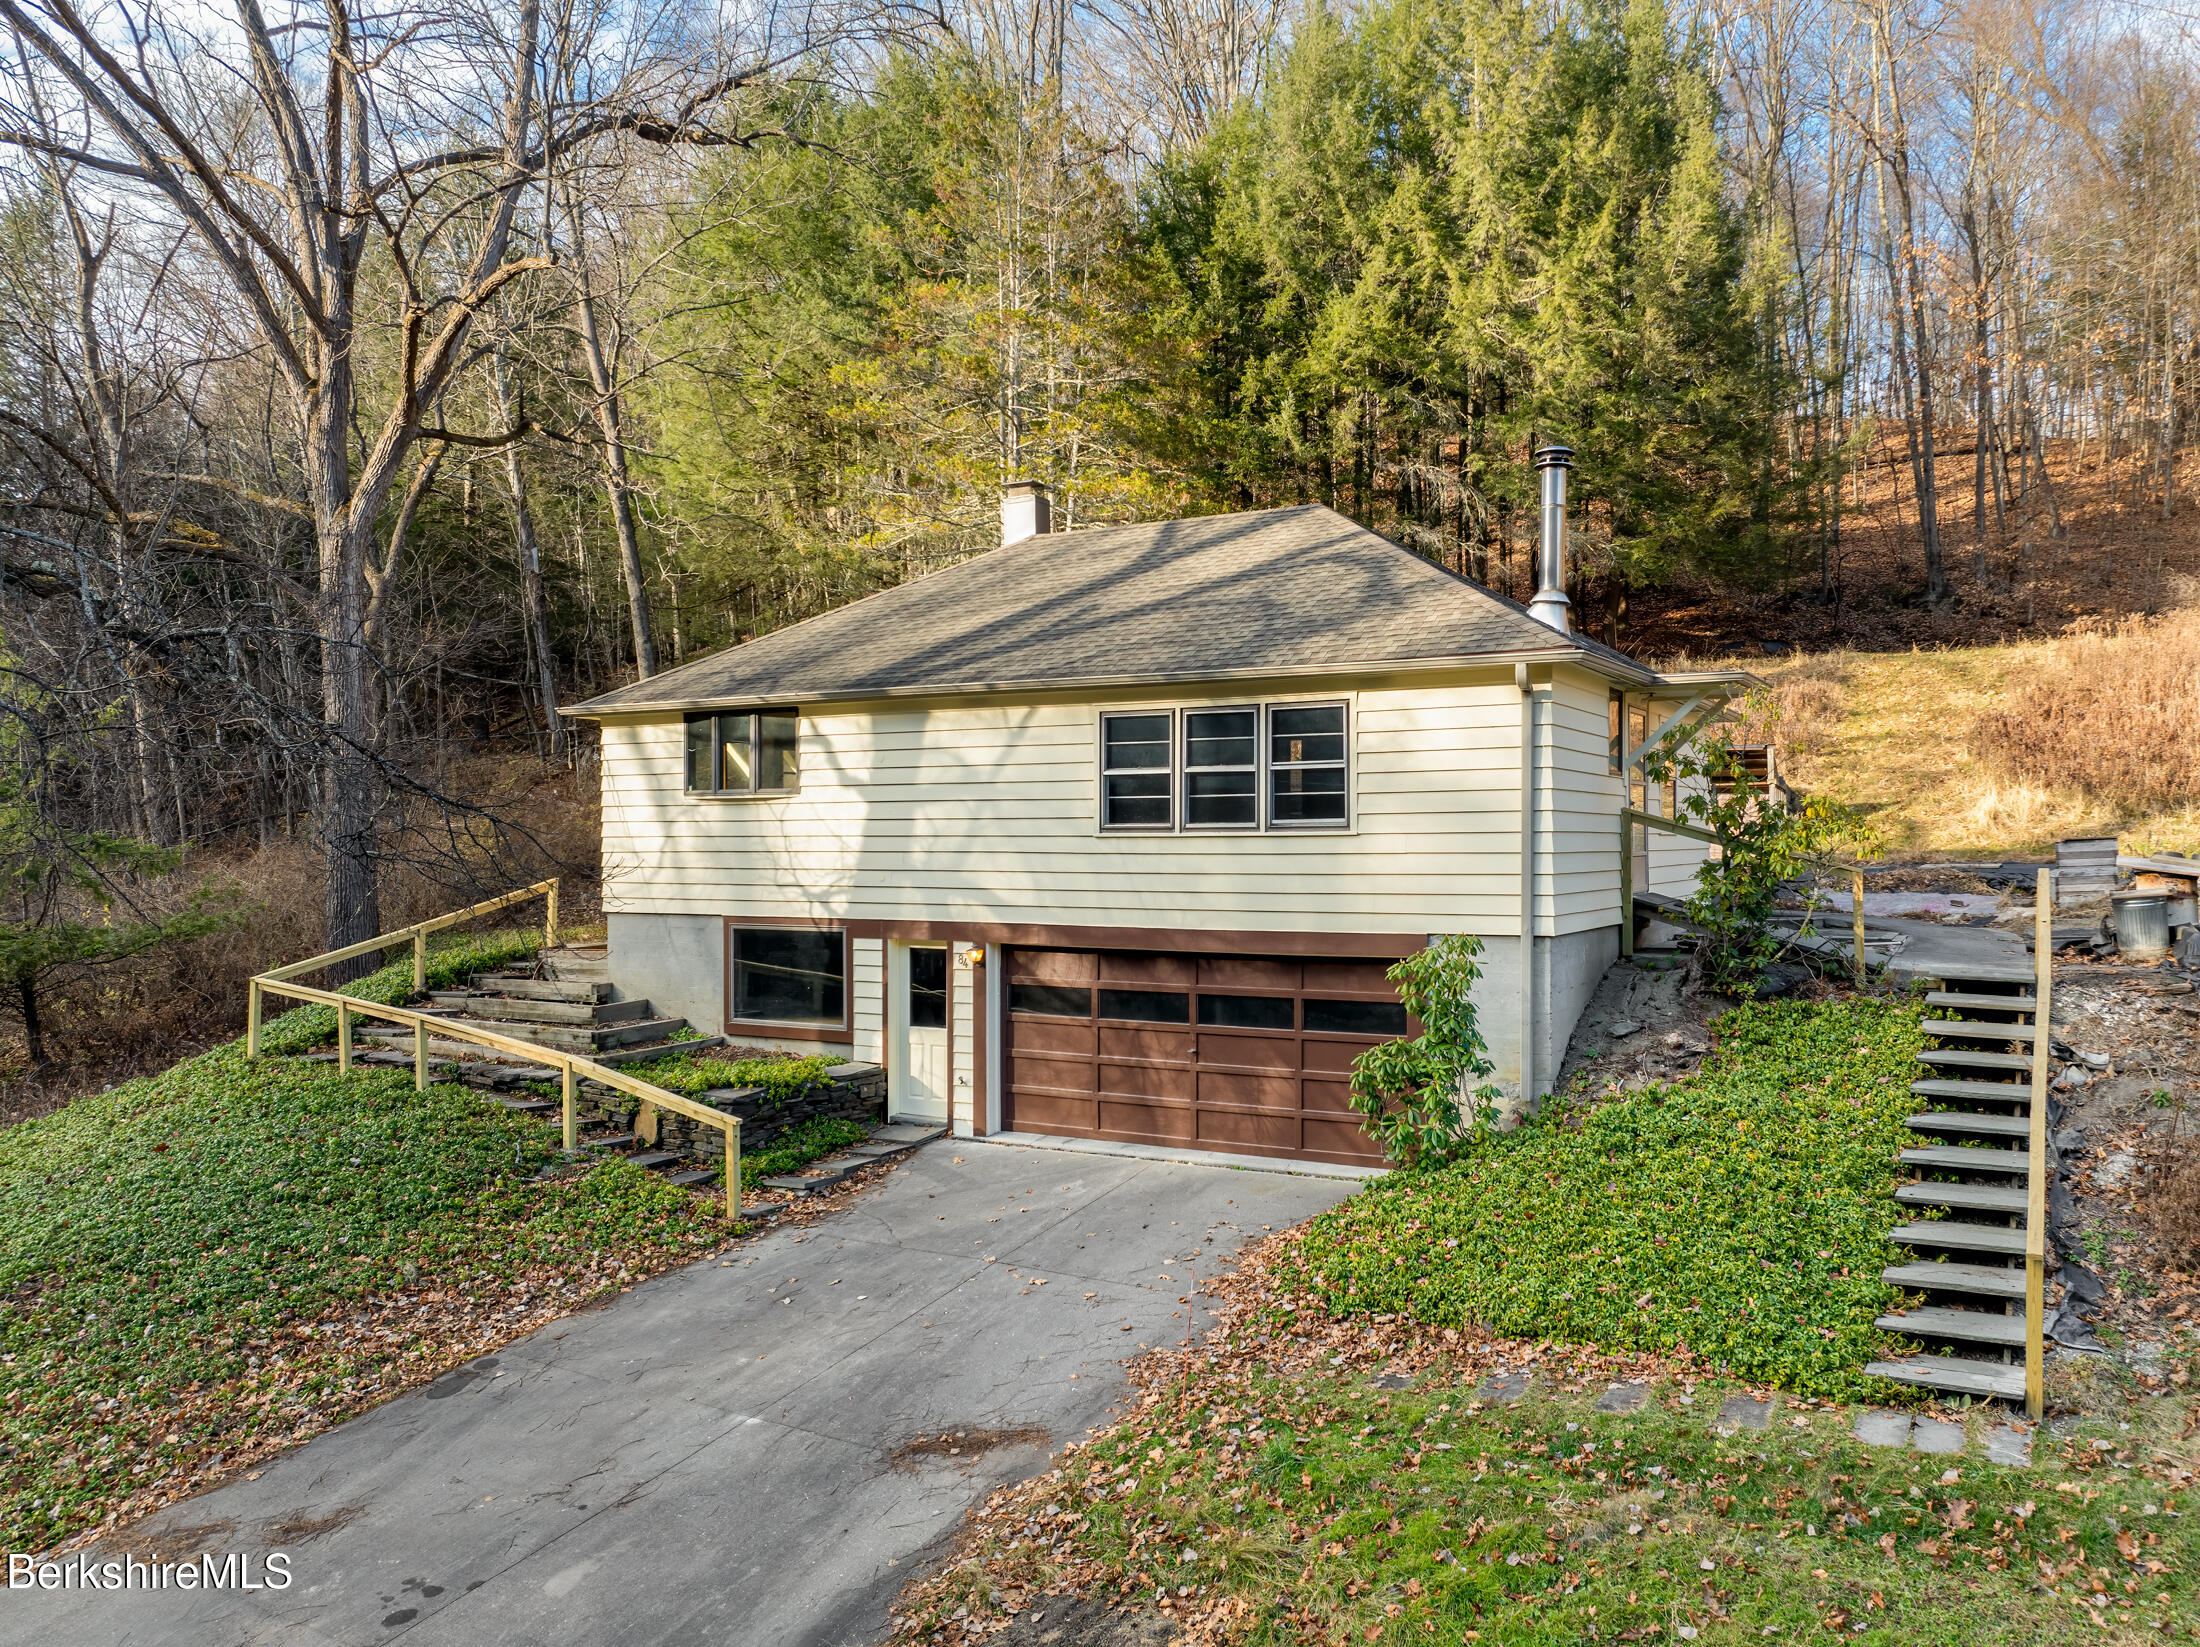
{"x":869,"y":1015}
{"x":962,"y":1006}
{"x":1577,"y":857}
{"x":985,"y":811}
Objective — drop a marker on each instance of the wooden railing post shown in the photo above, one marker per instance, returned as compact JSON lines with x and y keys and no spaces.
{"x":420,"y":961}
{"x":420,"y":1055}
{"x":572,"y":1118}
{"x":2035,"y":1198}
{"x":733,"y":1171}
{"x":550,"y":918}
{"x":252,"y":1010}
{"x":1856,"y":899}
{"x":343,"y":1037}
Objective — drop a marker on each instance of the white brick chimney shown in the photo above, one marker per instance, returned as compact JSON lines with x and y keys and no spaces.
{"x":1027,"y":511}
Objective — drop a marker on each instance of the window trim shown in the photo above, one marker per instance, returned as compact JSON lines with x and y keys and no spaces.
{"x":796,"y":1030}
{"x":1101,"y":767}
{"x":1179,"y":788}
{"x":1268,"y":767}
{"x":1181,"y":754}
{"x":755,"y":718}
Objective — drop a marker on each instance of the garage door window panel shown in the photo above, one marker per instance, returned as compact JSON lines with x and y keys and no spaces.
{"x":1050,"y":1000}
{"x":1385,"y":1019}
{"x":1248,"y":1011}
{"x":1146,"y":1006}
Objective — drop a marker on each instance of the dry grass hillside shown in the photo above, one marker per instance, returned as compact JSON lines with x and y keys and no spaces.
{"x":1983,"y":751}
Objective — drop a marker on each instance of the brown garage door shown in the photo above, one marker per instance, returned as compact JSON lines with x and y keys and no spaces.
{"x":1241,"y":1053}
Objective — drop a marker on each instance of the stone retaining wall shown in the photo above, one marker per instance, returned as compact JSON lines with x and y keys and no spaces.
{"x":856,"y":1092}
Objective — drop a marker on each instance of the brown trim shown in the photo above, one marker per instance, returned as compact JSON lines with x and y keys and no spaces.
{"x":951,"y":1089}
{"x":771,"y":1028}
{"x":1377,"y":946}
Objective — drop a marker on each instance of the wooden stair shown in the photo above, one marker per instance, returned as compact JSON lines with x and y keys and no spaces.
{"x":1974,"y":1167}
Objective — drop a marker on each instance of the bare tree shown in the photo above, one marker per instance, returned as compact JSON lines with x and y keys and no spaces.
{"x":358,"y":198}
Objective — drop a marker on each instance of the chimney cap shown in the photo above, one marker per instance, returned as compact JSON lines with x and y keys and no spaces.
{"x":1554,"y":457}
{"x":1024,"y":489}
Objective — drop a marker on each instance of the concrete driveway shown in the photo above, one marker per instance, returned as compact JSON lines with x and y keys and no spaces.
{"x":711,"y":1458}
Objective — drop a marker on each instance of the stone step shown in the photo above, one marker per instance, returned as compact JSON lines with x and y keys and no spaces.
{"x":1987,"y":1280}
{"x":1968,"y":1197}
{"x":1981,"y":1126}
{"x":1956,"y":1158}
{"x":656,"y":1158}
{"x":518,"y":1010}
{"x":583,"y":1042}
{"x":1984,"y":1092}
{"x":1955,"y":1375}
{"x":1971,"y":1029}
{"x":1968,"y":1326}
{"x":617,"y":1140}
{"x":580,"y":966}
{"x":1965,"y":1058}
{"x":698,"y":1175}
{"x":1958,"y":1000}
{"x":533,"y":1106}
{"x":660,"y":1049}
{"x":519,"y":988}
{"x":1959,"y":1235}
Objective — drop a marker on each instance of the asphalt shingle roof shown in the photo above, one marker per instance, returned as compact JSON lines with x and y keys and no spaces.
{"x":1214,"y":596}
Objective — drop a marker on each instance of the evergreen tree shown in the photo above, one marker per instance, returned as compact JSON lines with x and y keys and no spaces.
{"x":1446,"y":234}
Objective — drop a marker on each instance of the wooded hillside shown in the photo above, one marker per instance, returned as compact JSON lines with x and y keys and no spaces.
{"x":373,"y":382}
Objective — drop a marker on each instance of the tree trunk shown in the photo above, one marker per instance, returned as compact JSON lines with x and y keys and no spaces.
{"x":610,"y":425}
{"x":533,"y":598}
{"x":34,"y":1034}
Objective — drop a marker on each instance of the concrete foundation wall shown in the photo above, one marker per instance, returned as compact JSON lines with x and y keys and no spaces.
{"x":1568,"y":969}
{"x":678,"y":964}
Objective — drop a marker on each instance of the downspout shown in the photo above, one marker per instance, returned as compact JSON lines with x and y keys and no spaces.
{"x":1527,"y":888}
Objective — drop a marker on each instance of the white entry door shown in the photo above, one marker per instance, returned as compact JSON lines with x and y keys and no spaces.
{"x":917,"y":986}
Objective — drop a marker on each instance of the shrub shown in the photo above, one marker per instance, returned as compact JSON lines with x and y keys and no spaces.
{"x":1412,"y":1095}
{"x":2109,"y":715}
{"x":1762,"y":847}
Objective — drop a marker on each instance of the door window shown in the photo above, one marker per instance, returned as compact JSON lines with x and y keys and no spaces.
{"x":928,"y":989}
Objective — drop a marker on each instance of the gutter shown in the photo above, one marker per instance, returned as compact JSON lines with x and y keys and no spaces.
{"x":1606,"y":668}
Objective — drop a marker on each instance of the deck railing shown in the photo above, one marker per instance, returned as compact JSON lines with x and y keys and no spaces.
{"x":572,"y":1070}
{"x":2035,"y":1187}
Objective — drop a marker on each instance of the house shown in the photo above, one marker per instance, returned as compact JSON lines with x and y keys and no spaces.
{"x":1113,"y":833}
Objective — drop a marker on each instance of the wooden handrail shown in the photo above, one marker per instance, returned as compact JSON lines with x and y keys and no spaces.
{"x":417,"y":933}
{"x":2035,"y":1192}
{"x":572,"y":1070}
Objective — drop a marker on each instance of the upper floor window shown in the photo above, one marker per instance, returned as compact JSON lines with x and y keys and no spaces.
{"x":1137,"y":786}
{"x":746,"y":754}
{"x":1244,"y":767}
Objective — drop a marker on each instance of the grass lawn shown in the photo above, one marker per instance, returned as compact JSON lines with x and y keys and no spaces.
{"x":206,"y":1265}
{"x":1740,"y":1215}
{"x":1255,"y":1508}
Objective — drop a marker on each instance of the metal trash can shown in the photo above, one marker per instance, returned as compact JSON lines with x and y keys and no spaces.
{"x":2142,"y":924}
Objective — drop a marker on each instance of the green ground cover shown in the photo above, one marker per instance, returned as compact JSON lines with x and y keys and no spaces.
{"x":692,"y":1074}
{"x":1740,"y":1215}
{"x":195,"y":1264}
{"x":1320,"y":1509}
